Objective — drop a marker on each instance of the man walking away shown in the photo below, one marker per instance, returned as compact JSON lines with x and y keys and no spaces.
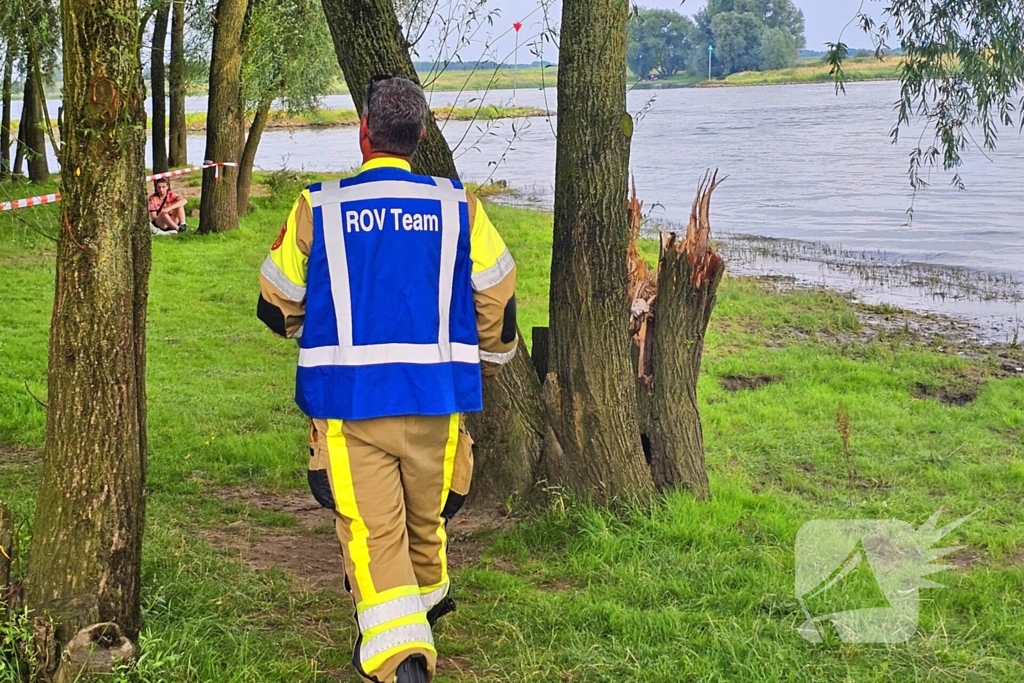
{"x":401,"y":294}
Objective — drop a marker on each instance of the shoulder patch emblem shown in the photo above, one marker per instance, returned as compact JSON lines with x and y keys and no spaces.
{"x":280,"y":239}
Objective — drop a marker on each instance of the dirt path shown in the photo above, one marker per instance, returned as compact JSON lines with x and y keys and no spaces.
{"x":308,"y":550}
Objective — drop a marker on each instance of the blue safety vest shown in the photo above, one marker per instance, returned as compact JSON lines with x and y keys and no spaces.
{"x":390,"y":325}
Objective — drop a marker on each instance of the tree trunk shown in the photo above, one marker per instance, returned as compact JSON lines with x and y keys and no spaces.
{"x":32,"y":122}
{"x":510,"y":434}
{"x":87,"y":534}
{"x":5,"y":119}
{"x":177,"y":155}
{"x":159,"y":90}
{"x":93,"y":654}
{"x":689,"y":273}
{"x":592,"y":387}
{"x":252,"y":143}
{"x":6,"y":556}
{"x":218,"y":207}
{"x":369,"y":41}
{"x":19,"y":152}
{"x":681,"y":316}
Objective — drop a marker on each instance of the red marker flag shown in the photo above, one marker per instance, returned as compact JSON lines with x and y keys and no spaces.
{"x":518,"y":25}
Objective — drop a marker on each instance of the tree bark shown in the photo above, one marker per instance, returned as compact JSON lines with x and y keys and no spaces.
{"x":6,"y":556}
{"x":369,"y":41}
{"x":245,"y":165}
{"x":681,"y":316}
{"x":689,"y":272}
{"x":87,"y":533}
{"x":593,"y":390}
{"x":159,"y":90}
{"x":218,"y":207}
{"x":177,"y":155}
{"x":19,"y":152}
{"x":5,"y":118}
{"x":32,"y":122}
{"x":93,"y":654}
{"x":510,"y":433}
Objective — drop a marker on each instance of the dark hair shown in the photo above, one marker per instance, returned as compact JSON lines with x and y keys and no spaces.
{"x":396,"y":115}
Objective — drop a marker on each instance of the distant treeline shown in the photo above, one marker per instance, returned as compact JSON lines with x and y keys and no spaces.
{"x":725,"y":37}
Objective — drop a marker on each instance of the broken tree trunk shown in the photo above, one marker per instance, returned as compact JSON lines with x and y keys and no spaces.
{"x":671,"y":344}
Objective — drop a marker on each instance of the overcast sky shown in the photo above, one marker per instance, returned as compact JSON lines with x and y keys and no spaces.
{"x":825,"y":20}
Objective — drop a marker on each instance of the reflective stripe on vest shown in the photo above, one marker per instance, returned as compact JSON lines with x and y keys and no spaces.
{"x":348,"y":354}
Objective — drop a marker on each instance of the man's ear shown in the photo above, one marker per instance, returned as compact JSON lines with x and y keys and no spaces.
{"x":423,"y":134}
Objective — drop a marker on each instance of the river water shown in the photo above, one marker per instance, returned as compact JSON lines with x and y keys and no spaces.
{"x":803,"y":164}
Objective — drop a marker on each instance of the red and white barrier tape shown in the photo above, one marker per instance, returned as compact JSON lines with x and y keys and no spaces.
{"x":182,"y":171}
{"x":31,"y":201}
{"x":55,"y":197}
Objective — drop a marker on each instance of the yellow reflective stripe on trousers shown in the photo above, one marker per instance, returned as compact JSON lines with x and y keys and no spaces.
{"x":374,"y":652}
{"x":386,"y":596}
{"x":371,"y":618}
{"x":432,"y":595}
{"x":449,"y":467}
{"x":408,"y":620}
{"x":345,"y":499}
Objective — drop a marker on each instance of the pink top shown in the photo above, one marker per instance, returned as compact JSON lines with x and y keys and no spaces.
{"x":156,"y":200}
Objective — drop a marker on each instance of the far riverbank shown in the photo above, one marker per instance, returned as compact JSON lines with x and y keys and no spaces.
{"x":340,"y":118}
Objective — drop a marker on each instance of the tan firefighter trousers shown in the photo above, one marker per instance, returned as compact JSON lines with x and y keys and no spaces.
{"x":392,"y":483}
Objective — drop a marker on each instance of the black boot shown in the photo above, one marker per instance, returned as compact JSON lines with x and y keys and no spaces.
{"x":412,"y":670}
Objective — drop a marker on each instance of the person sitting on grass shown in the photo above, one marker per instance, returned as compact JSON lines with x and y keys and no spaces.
{"x":166,"y":209}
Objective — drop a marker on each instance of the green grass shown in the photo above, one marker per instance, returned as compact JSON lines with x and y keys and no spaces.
{"x":681,"y":590}
{"x":493,"y":79}
{"x":816,"y":71}
{"x":337,"y":118}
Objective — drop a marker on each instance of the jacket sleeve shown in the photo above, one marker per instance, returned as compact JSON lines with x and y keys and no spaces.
{"x":494,"y":291}
{"x":282,"y":302}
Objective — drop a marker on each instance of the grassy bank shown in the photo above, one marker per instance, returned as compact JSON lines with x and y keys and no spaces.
{"x":482,"y":79}
{"x":810,"y":70}
{"x":683,"y":590}
{"x":815,"y":71}
{"x":337,"y":118}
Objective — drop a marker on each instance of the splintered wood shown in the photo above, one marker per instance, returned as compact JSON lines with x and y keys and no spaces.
{"x":643,"y":280}
{"x":643,"y":287}
{"x":697,"y":243}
